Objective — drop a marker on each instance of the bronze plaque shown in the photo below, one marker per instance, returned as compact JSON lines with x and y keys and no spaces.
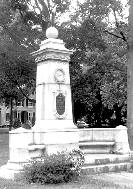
{"x":60,"y":104}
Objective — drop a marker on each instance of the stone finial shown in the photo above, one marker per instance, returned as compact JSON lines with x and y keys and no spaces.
{"x":52,"y":32}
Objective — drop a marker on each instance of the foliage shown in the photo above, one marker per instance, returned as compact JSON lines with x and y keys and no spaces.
{"x":98,"y":64}
{"x":20,"y":35}
{"x":27,"y":125}
{"x":33,"y":120}
{"x":55,"y":168}
{"x":17,"y":40}
{"x":16,"y":123}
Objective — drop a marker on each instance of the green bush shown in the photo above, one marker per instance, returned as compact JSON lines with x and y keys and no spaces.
{"x":56,"y":168}
{"x":27,"y":125}
{"x":16,"y":123}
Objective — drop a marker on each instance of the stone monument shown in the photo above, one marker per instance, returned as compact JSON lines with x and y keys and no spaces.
{"x":54,"y":130}
{"x":54,"y":125}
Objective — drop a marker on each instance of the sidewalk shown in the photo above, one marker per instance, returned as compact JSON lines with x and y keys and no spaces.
{"x":123,"y":178}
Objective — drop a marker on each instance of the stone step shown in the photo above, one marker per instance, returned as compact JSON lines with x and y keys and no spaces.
{"x":97,"y":159}
{"x":101,"y":163}
{"x":96,"y":150}
{"x":96,"y":147}
{"x":96,"y":143}
{"x":35,"y":147}
{"x":116,"y":167}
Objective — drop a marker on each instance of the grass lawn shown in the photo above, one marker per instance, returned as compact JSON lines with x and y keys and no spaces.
{"x":83,"y":182}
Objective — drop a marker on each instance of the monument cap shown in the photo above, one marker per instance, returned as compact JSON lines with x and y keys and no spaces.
{"x":52,"y":32}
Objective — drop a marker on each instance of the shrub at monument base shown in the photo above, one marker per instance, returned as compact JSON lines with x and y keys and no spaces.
{"x":16,"y":123}
{"x":56,"y":168}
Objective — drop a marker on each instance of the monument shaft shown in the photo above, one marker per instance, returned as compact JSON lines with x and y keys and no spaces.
{"x":54,"y":125}
{"x":53,"y":92}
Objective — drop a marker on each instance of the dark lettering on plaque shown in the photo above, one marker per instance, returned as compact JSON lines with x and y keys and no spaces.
{"x":60,"y":104}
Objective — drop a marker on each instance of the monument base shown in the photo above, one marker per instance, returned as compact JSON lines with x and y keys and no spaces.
{"x":56,"y":135}
{"x":39,"y":141}
{"x":63,"y":124}
{"x":11,"y":170}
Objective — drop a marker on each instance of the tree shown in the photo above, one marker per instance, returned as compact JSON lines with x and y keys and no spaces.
{"x":97,"y":58}
{"x":17,"y":40}
{"x":130,"y":77}
{"x":17,"y":70}
{"x":19,"y":36}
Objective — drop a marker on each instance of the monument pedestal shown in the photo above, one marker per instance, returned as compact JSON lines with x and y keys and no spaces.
{"x":19,"y":139}
{"x":56,"y":135}
{"x":44,"y":125}
{"x":25,"y":144}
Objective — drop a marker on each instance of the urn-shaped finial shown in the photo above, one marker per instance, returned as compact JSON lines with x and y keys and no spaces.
{"x":52,"y":32}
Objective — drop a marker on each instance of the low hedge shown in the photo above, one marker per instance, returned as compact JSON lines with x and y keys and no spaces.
{"x":55,"y":168}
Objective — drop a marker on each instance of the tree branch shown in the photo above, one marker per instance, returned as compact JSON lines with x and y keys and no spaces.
{"x":14,"y":38}
{"x":21,"y":90}
{"x":117,"y":26}
{"x":112,"y":34}
{"x":37,"y":4}
{"x":49,"y":7}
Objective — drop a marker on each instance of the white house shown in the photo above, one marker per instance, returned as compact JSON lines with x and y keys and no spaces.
{"x":23,"y":110}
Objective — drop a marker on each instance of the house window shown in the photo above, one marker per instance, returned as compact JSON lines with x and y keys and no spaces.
{"x":23,"y":103}
{"x":20,"y":103}
{"x":15,"y":114}
{"x":7,"y":117}
{"x":26,"y":102}
{"x":19,"y":115}
{"x":34,"y":115}
{"x":30,"y":116}
{"x":30,"y":103}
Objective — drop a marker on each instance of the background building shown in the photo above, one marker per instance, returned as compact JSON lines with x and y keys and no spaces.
{"x":23,"y":110}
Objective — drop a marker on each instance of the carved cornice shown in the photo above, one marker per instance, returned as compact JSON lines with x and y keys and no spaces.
{"x":52,"y":56}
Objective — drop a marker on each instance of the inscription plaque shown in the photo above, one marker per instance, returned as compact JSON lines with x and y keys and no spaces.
{"x":60,"y":104}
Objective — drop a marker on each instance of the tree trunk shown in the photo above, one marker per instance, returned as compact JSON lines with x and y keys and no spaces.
{"x":11,"y":113}
{"x":98,"y":109}
{"x":118,"y":119}
{"x":130,"y":78}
